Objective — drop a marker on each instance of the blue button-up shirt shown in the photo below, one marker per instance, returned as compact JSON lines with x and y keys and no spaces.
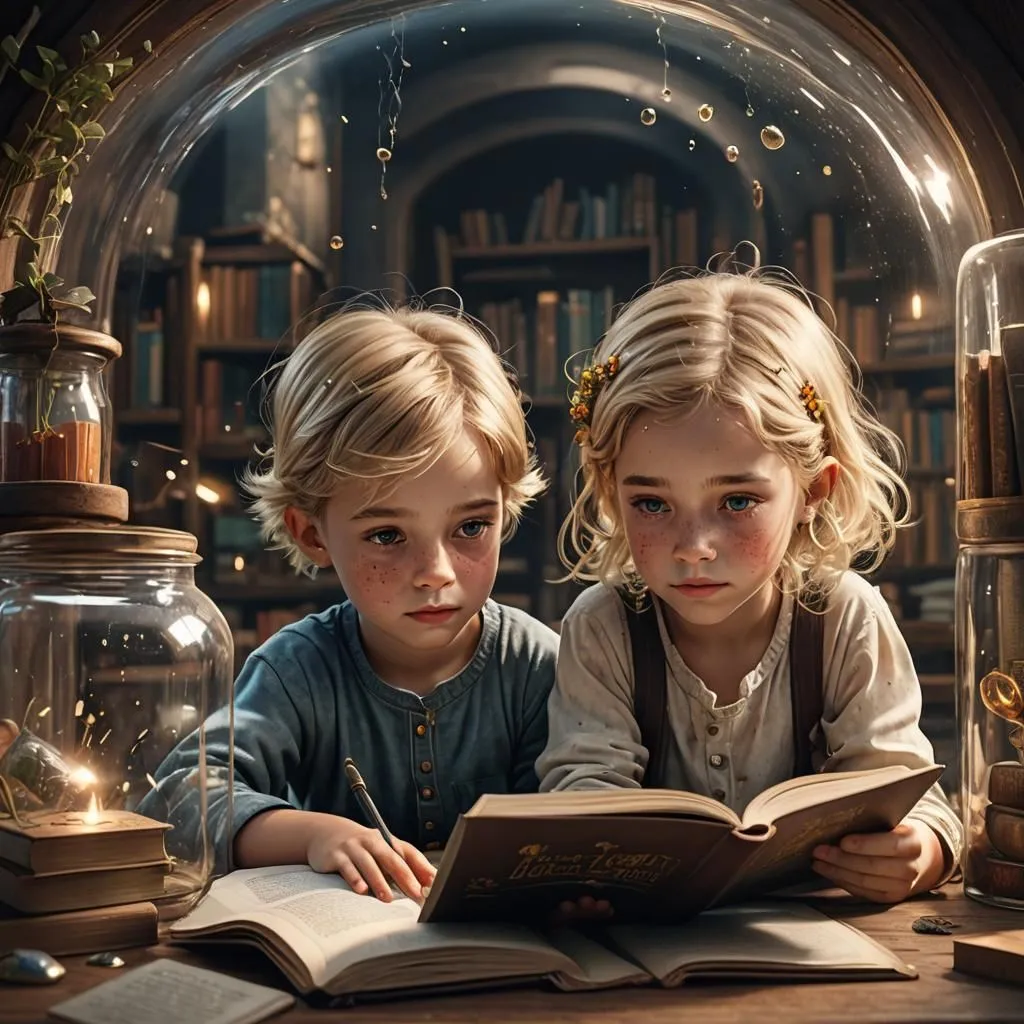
{"x":308,"y":698}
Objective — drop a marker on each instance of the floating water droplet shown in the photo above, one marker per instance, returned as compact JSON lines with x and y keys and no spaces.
{"x":344,"y":119}
{"x":772,"y":137}
{"x":405,"y":63}
{"x":693,"y":145}
{"x":648,"y":116}
{"x":732,"y":154}
{"x":826,"y":170}
{"x":337,"y":242}
{"x":749,"y":111}
{"x":666,"y":94}
{"x":373,"y":227}
{"x":383,"y":154}
{"x":705,"y":112}
{"x":757,"y":194}
{"x":383,"y":192}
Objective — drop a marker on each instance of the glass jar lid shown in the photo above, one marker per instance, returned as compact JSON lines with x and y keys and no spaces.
{"x":98,"y":546}
{"x":31,"y":337}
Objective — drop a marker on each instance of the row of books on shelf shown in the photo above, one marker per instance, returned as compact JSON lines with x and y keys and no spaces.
{"x":259,"y":302}
{"x":928,"y":432}
{"x":624,"y":209}
{"x":147,"y":362}
{"x":931,"y":539}
{"x":538,"y":340}
{"x":229,"y":397}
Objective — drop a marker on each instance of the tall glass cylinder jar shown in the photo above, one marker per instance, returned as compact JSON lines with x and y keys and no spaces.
{"x":990,"y":646}
{"x":109,"y":657}
{"x":990,"y":568}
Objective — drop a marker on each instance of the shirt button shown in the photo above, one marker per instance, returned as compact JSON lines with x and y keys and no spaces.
{"x":718,"y":794}
{"x":421,"y":730}
{"x":425,"y":766}
{"x":429,"y":826}
{"x":433,"y":846}
{"x":716,"y":761}
{"x":427,"y":793}
{"x":712,"y":730}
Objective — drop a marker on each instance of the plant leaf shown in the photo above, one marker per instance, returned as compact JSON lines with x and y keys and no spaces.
{"x":50,"y":164}
{"x":92,"y":130}
{"x":147,"y":45}
{"x":52,"y":280}
{"x":74,"y":298}
{"x":34,"y":80}
{"x":16,"y":300}
{"x":10,"y":49}
{"x":90,"y":41}
{"x":46,"y":53}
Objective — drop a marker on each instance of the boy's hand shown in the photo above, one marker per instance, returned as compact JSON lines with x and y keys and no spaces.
{"x":884,"y":867}
{"x":366,"y":862}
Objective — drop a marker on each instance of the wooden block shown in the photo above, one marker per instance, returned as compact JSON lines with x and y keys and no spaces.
{"x":998,"y":955}
{"x":1002,"y":878}
{"x":1005,"y":828}
{"x":1006,"y":784}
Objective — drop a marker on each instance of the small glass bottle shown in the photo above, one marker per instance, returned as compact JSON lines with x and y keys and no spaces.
{"x":990,"y":567}
{"x":110,"y":656}
{"x":55,"y":415}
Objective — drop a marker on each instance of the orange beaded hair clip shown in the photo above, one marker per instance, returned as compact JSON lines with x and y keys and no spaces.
{"x":592,"y":380}
{"x":814,"y":405}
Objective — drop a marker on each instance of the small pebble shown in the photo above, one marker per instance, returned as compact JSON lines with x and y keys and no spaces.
{"x":30,"y":967}
{"x":105,"y":960}
{"x":933,"y":926}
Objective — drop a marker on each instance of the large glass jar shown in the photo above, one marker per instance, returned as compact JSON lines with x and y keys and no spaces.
{"x":109,"y":656}
{"x":55,"y":417}
{"x":990,"y":569}
{"x":990,"y":655}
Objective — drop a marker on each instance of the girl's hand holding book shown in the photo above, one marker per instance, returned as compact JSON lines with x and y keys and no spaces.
{"x":884,"y":867}
{"x":366,"y":862}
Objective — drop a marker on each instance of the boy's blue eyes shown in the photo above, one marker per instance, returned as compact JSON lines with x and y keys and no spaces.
{"x":471,"y":530}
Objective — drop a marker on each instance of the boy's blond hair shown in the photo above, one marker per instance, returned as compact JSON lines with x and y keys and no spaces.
{"x":374,"y":394}
{"x":748,"y":342}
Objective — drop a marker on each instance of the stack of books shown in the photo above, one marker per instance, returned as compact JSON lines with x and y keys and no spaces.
{"x":76,"y":883}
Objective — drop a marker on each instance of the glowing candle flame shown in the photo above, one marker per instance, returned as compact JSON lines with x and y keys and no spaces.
{"x":92,"y":815}
{"x":916,"y":306}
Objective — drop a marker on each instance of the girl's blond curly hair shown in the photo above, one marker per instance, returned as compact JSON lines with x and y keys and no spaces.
{"x":374,"y":394}
{"x":748,"y":341}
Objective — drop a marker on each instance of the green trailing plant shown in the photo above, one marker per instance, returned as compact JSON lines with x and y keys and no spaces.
{"x":55,"y":142}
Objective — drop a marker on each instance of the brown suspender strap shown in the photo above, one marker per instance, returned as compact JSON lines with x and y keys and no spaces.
{"x":806,"y":679}
{"x":650,"y":694}
{"x":650,"y":689}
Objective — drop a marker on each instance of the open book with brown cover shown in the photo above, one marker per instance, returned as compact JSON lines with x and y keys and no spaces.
{"x":657,"y":855}
{"x":328,"y":940}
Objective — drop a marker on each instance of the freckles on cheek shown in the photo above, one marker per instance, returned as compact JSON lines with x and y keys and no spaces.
{"x":373,"y":578}
{"x":757,"y":547}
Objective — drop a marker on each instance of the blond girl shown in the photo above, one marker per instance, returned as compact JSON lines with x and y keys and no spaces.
{"x":399,"y":461}
{"x":732,"y":475}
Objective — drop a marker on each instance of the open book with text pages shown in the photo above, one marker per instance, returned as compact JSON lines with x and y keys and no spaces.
{"x":330,"y":941}
{"x":656,"y":855}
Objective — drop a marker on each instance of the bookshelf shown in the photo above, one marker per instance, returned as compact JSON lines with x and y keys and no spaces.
{"x":200,"y":328}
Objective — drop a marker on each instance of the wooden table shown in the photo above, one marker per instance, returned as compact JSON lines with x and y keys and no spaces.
{"x":939,"y":994}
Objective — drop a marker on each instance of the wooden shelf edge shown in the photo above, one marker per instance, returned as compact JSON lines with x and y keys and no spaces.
{"x":147,"y":417}
{"x":627,"y":243}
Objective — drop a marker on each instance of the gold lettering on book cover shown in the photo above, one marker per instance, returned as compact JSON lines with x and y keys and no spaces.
{"x":825,"y":828}
{"x":604,"y":864}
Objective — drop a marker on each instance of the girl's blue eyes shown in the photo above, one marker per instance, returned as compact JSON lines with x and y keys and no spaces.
{"x":650,"y":506}
{"x":738,"y":503}
{"x":734,"y":503}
